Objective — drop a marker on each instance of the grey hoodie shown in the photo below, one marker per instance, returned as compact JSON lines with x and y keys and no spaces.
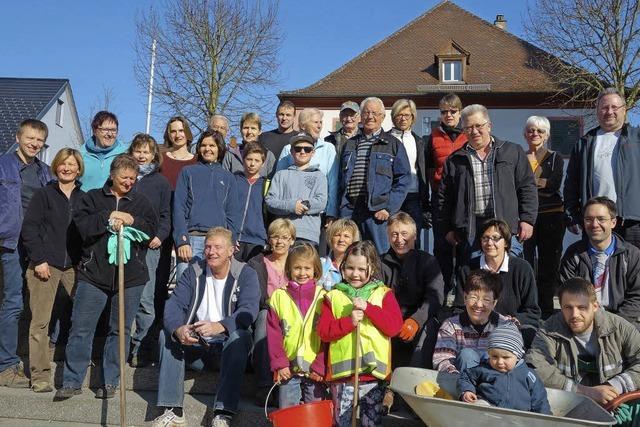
{"x":292,"y":184}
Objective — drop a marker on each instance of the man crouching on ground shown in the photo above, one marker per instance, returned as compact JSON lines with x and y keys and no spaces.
{"x":207,"y":318}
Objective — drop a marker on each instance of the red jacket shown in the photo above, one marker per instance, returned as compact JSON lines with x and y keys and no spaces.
{"x":440,"y":149}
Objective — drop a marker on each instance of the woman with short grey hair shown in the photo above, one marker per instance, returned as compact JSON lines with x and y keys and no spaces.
{"x":404,"y":114}
{"x":544,"y":248}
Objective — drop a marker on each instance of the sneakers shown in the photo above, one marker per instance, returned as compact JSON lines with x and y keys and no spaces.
{"x":14,"y":377}
{"x":41,"y":386}
{"x":169,"y":419}
{"x":65,"y":393}
{"x":221,"y":421}
{"x":106,"y":392}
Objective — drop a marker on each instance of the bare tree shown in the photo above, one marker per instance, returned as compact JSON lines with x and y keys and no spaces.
{"x":212,"y":57}
{"x":593,"y":44}
{"x":103,"y":101}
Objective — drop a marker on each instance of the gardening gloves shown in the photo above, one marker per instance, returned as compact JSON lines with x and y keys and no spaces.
{"x":129,"y":234}
{"x":409,"y":329}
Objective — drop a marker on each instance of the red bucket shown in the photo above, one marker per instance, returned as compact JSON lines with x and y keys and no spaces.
{"x":314,"y":414}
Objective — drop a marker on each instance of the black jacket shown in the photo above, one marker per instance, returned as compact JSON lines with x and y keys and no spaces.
{"x":48,"y":233}
{"x":257,"y":263}
{"x":519,"y":295}
{"x":578,"y":187}
{"x":515,"y":196}
{"x":416,"y":282}
{"x":552,"y":169}
{"x":92,"y":220}
{"x":158,"y":190}
{"x":624,"y":276}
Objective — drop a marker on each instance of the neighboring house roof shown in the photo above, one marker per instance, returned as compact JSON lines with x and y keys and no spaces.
{"x":22,"y":99}
{"x":405,"y":63}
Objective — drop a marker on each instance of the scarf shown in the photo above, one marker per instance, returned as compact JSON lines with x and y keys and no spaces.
{"x":363,"y":292}
{"x":144,"y":170}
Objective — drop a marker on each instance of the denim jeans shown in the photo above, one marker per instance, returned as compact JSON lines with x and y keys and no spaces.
{"x":413,"y":207}
{"x":260,"y":357}
{"x":469,"y":358}
{"x":233,"y":354}
{"x":300,"y":388}
{"x":146,"y":311}
{"x":88,"y":303}
{"x":197,"y":251}
{"x":11,"y":307}
{"x":370,"y":227}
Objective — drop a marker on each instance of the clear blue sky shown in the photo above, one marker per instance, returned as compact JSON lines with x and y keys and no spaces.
{"x":91,"y":43}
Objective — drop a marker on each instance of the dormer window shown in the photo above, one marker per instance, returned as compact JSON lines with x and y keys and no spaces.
{"x":451,"y":71}
{"x":452,"y":63}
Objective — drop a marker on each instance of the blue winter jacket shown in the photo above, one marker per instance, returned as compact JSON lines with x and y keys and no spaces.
{"x":97,"y":162}
{"x":324,"y":158}
{"x":389,"y":173}
{"x":206,"y":196}
{"x":251,"y":199}
{"x":11,"y":214}
{"x":240,"y":297}
{"x":520,"y":388}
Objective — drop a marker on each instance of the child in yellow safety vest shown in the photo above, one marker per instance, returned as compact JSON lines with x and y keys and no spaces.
{"x":361,"y":299}
{"x":295,"y":350}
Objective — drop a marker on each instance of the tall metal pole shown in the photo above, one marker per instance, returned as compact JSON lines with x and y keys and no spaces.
{"x":150,"y":98}
{"x":121,"y":340}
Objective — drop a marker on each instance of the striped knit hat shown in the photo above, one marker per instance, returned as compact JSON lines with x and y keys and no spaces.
{"x":507,"y":337}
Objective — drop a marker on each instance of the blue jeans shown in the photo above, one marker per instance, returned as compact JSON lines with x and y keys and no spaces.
{"x":88,"y":303}
{"x":146,"y":311}
{"x":197,"y":251}
{"x":300,"y":388}
{"x":469,"y":358}
{"x":233,"y":354}
{"x":260,"y":360}
{"x":370,"y":227}
{"x":11,"y":307}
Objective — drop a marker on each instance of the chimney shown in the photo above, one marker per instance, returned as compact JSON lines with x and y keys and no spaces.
{"x":500,"y":22}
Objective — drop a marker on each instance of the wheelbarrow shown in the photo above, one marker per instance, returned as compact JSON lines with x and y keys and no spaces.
{"x":569,"y":409}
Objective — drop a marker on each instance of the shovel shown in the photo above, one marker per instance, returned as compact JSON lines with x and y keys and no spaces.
{"x":122,"y":354}
{"x":356,"y":381}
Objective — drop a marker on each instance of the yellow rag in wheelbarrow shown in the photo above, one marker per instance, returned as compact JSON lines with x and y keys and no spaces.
{"x":431,"y":389}
{"x":129,"y":234}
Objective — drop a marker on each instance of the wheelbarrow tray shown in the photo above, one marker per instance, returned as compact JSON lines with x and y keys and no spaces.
{"x":569,"y":409}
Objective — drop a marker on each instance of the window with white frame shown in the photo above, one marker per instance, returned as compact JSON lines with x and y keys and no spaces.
{"x":451,"y":71}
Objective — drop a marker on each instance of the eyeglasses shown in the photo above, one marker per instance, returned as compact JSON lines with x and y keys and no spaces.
{"x":404,"y":116}
{"x":474,"y":299}
{"x":538,"y":131}
{"x":371,"y":114}
{"x":451,"y":111}
{"x":300,"y":149}
{"x":470,"y":129}
{"x":494,"y":239}
{"x":108,"y":130}
{"x":613,"y":108}
{"x":279,"y":238}
{"x":598,"y":219}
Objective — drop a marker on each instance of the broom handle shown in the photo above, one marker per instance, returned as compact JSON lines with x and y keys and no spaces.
{"x":123,"y":402}
{"x":356,"y":381}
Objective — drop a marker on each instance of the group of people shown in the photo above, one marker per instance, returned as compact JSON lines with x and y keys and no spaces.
{"x":289,"y":245}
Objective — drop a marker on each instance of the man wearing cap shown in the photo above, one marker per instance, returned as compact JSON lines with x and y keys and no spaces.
{"x":585,"y":349}
{"x":299,"y":192}
{"x":375,"y":175}
{"x":349,"y":118}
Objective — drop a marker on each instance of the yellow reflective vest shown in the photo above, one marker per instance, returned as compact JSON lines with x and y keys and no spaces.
{"x":301,"y":342}
{"x":375,"y":351}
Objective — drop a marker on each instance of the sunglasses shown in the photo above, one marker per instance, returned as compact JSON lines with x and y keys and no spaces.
{"x":452,"y":112}
{"x":300,"y":149}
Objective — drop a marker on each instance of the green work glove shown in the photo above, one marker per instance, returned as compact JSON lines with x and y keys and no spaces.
{"x":129,"y":234}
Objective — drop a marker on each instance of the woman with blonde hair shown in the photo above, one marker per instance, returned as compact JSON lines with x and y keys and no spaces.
{"x":53,"y":248}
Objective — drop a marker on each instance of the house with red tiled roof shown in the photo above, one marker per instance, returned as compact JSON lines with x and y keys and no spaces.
{"x":449,"y":49}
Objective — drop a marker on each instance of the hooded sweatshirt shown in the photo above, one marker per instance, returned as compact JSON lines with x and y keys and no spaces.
{"x":293,"y":184}
{"x":97,"y":161}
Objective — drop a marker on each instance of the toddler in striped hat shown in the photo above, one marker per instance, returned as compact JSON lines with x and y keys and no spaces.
{"x":505,"y":380}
